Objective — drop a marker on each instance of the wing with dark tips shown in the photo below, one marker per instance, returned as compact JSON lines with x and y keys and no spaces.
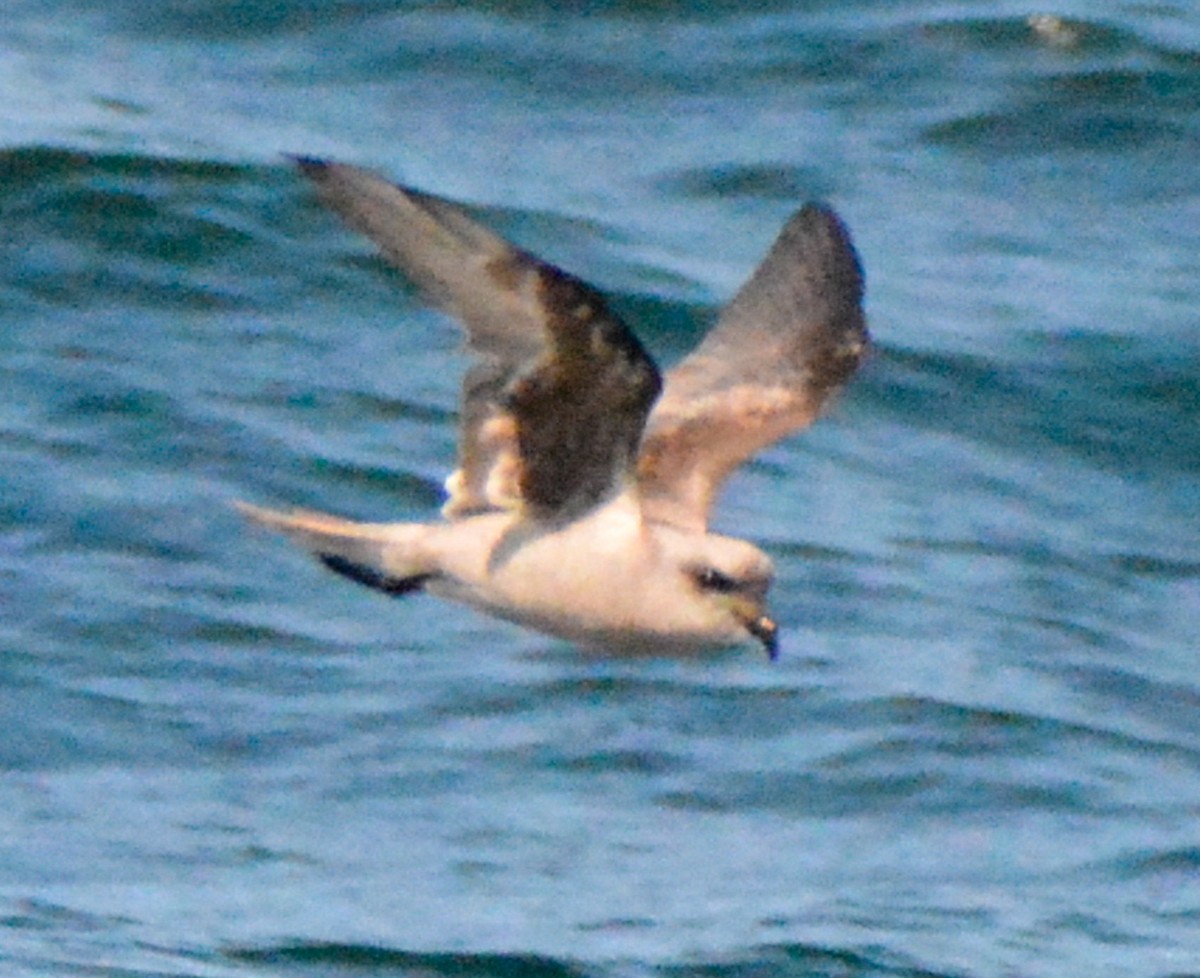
{"x":554,"y":408}
{"x":791,"y":337}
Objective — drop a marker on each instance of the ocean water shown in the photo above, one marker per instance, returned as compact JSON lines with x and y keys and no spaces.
{"x":979,"y":753}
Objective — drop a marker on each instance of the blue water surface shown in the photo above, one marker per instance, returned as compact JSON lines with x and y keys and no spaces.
{"x":978,"y":754}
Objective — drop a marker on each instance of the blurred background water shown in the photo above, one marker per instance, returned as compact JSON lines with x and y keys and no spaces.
{"x":979,"y":754}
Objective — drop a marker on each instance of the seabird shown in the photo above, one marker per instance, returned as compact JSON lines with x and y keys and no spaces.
{"x":585,"y":479}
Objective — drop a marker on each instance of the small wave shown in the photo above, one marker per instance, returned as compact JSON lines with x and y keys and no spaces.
{"x":327,"y":959}
{"x":764,"y":181}
{"x":807,"y":960}
{"x":1113,"y":404}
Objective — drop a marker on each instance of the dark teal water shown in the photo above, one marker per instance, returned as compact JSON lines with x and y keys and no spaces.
{"x":979,"y":754}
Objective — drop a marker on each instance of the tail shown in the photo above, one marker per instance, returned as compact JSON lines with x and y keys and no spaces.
{"x":389,"y":557}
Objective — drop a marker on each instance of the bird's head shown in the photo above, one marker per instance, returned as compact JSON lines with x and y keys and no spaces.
{"x":731,"y":578}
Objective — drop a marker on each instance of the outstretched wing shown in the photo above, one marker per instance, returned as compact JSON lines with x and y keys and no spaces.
{"x":554,"y":408}
{"x":791,"y":337}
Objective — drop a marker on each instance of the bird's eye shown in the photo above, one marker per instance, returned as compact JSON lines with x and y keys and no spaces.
{"x":711,"y":579}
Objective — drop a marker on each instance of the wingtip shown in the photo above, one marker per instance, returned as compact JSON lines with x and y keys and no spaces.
{"x":822,"y":228}
{"x":822,"y":212}
{"x":312,"y":167}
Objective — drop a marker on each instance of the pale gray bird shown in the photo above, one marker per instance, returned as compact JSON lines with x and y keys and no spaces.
{"x":580,"y":505}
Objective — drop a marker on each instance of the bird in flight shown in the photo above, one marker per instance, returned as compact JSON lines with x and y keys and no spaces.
{"x":585,"y":479}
